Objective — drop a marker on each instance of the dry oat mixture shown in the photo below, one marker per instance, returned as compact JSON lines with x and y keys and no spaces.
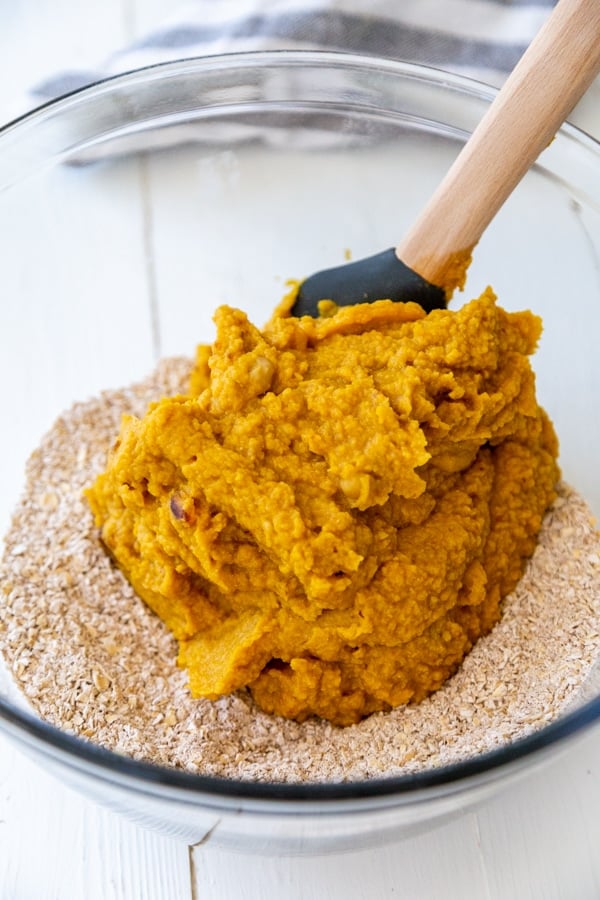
{"x":92,"y":659}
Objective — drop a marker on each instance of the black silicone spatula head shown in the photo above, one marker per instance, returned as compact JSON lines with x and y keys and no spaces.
{"x":379,"y":277}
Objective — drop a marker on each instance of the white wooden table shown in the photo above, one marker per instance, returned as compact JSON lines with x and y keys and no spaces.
{"x":540,"y":839}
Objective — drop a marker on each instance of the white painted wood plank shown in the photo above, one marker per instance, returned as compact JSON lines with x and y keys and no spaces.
{"x":55,"y":845}
{"x":541,"y":840}
{"x":43,"y":37}
{"x":445,"y":863}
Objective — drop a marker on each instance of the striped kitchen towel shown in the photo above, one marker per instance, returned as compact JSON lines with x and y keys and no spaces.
{"x":480,"y":38}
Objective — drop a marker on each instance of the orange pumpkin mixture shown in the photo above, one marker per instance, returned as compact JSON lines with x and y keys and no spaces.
{"x":333,"y":514}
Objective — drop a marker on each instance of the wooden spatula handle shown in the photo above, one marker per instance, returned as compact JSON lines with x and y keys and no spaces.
{"x":550,"y":78}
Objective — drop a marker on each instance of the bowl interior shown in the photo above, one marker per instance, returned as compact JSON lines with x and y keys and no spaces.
{"x":129,"y":211}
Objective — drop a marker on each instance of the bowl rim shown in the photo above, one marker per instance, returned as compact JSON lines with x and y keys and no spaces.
{"x":106,"y":763}
{"x":27,"y":729}
{"x":253,"y":59}
{"x":284,"y":57}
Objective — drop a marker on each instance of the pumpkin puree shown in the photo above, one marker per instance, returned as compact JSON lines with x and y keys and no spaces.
{"x":333,"y":514}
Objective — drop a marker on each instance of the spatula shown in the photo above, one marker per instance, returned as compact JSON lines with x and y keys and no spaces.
{"x":432,"y":259}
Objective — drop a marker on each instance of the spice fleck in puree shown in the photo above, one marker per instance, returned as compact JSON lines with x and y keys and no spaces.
{"x":333,"y":514}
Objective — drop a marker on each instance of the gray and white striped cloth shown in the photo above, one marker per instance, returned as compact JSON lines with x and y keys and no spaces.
{"x":480,"y":38}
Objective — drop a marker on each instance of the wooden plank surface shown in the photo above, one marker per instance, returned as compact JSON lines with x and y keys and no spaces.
{"x":55,"y":845}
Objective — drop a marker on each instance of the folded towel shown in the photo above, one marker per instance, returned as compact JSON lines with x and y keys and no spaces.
{"x":481,"y":38}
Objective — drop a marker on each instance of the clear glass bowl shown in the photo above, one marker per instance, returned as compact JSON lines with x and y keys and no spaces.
{"x":218,"y":179}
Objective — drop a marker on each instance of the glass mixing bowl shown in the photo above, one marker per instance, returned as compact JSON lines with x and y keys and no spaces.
{"x":131,"y":209}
